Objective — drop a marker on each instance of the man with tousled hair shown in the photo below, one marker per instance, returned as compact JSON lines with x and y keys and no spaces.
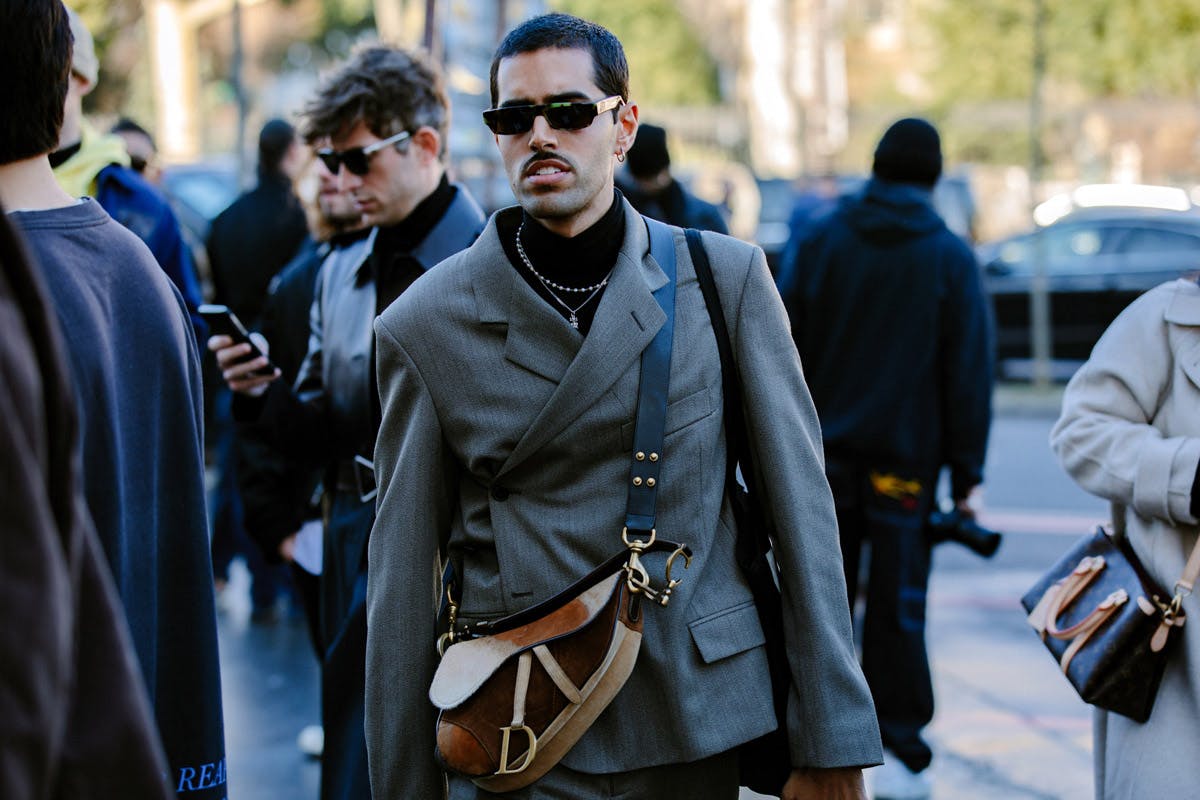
{"x":135,"y":368}
{"x":385,"y":114}
{"x":508,"y":381}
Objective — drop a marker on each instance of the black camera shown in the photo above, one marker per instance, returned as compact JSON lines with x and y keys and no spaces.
{"x":955,"y":526}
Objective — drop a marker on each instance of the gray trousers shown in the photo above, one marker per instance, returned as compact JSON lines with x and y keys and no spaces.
{"x":712,"y":778}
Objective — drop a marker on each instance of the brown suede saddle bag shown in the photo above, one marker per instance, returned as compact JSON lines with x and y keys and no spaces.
{"x":515,"y":694}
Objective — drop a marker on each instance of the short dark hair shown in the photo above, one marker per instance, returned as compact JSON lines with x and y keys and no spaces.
{"x":126,"y":125}
{"x":36,"y":41}
{"x":565,"y":32}
{"x":386,"y":88}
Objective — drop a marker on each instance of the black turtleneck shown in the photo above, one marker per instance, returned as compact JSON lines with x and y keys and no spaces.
{"x":392,"y":265}
{"x":582,"y":260}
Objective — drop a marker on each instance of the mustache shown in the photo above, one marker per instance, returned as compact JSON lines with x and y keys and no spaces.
{"x":544,"y":155}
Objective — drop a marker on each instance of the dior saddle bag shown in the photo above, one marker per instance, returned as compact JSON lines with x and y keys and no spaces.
{"x":515,"y":694}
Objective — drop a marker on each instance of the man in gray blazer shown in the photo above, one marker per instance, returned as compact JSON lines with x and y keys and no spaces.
{"x":508,"y":379}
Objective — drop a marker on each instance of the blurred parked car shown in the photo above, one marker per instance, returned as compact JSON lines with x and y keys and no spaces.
{"x":952,"y":197}
{"x":200,"y":191}
{"x":1097,"y":260}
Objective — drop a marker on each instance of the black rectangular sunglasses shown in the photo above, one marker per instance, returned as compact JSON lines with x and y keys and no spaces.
{"x":356,"y":159}
{"x":566,"y":116}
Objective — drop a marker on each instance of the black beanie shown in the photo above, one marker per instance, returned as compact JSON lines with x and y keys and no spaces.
{"x":909,"y":152}
{"x":273,"y":142}
{"x":648,"y":156}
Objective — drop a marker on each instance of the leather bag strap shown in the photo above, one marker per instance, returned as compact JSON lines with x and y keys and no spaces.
{"x":650,"y":425}
{"x":1186,"y":584}
{"x":755,"y":542}
{"x":1191,"y":571}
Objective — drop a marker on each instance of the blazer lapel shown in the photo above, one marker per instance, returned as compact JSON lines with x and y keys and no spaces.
{"x":625,"y":322}
{"x":537,"y":339}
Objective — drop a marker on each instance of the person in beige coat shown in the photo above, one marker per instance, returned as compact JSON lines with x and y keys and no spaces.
{"x":1130,"y":432}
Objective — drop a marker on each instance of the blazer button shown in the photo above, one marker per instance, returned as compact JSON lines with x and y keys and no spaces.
{"x":499,"y":493}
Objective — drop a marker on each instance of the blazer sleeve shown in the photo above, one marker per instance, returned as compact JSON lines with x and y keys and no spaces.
{"x":1105,"y":437}
{"x":831,"y":717}
{"x":415,"y":473}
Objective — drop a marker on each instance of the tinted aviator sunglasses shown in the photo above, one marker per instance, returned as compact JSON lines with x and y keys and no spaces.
{"x":356,"y":159}
{"x":567,"y":116}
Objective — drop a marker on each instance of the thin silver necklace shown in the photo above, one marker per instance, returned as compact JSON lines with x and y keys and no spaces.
{"x":551,"y":286}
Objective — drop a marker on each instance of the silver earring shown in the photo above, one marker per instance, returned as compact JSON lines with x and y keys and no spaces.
{"x":621,"y":156}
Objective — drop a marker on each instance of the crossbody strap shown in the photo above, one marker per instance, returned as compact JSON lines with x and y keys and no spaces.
{"x":650,"y":425}
{"x":1191,"y":570}
{"x":755,"y":542}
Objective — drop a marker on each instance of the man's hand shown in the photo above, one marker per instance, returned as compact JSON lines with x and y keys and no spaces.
{"x":970,"y":505}
{"x":237,"y":371}
{"x":287,"y":549}
{"x":842,"y":783}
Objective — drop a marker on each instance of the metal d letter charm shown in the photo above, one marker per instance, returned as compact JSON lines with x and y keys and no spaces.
{"x":526,"y":760}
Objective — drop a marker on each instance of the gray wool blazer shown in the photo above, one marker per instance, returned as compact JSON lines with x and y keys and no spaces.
{"x":505,"y":446}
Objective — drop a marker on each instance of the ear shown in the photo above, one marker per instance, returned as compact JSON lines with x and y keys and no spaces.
{"x":627,"y":125}
{"x":428,"y":143}
{"x":81,"y":85}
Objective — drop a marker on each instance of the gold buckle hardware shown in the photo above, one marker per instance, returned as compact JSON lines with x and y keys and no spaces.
{"x":673,"y":582}
{"x":638,"y":579}
{"x":448,"y":638}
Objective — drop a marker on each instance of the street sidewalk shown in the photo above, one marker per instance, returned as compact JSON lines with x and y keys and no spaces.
{"x":1022,"y":399}
{"x":1008,"y":726}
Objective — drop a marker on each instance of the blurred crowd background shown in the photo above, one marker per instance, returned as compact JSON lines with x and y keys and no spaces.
{"x":764,"y":102}
{"x":754,"y":93}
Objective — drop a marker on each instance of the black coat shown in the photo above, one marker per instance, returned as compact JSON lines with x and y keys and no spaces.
{"x":75,"y":721}
{"x":675,"y":205}
{"x":894,"y":333}
{"x":250,"y":241}
{"x":277,"y":491}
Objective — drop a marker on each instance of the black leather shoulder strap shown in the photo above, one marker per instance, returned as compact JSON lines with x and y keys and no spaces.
{"x":752,"y":538}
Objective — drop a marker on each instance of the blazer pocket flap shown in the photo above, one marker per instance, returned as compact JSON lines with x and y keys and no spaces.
{"x":680,"y":413}
{"x":728,"y":632}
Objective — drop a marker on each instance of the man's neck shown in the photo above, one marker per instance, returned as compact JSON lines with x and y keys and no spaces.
{"x":428,"y":186}
{"x":29,"y":185}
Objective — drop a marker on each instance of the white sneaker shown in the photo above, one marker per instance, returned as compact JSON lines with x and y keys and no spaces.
{"x":894,"y":781}
{"x":311,"y":741}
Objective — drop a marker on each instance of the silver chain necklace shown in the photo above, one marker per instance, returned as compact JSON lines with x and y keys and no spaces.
{"x":551,"y":285}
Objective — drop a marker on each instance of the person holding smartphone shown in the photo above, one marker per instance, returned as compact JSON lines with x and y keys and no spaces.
{"x":385,"y":115}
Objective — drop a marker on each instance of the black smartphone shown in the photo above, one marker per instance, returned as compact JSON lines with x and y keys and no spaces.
{"x":223,"y":322}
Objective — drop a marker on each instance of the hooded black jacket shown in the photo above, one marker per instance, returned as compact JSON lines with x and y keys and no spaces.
{"x":894,"y":333}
